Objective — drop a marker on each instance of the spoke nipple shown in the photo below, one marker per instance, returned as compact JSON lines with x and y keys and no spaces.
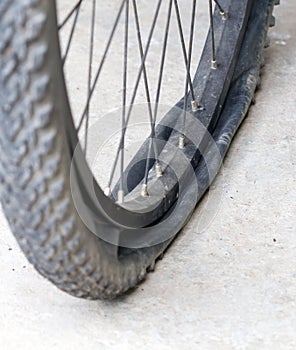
{"x":107,"y":192}
{"x":194,"y":106}
{"x":224,"y":15}
{"x":144,"y":192}
{"x":158,"y":169}
{"x":120,"y":196}
{"x":214,"y":64}
{"x":182,"y":142}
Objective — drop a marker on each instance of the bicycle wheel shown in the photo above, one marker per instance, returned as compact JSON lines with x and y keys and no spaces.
{"x":96,"y":242}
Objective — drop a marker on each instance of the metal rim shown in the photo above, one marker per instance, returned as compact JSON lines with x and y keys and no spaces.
{"x":227,"y":51}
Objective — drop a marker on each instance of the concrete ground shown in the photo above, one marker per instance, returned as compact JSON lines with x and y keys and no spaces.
{"x":225,"y":284}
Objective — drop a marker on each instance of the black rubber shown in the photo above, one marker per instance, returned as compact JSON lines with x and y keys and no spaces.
{"x":36,"y":152}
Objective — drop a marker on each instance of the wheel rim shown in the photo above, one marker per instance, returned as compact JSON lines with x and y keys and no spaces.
{"x":127,"y":214}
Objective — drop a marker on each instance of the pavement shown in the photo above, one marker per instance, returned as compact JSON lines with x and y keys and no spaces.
{"x":227,"y":282}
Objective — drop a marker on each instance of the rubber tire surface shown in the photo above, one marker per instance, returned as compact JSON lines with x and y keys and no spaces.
{"x":35,"y":155}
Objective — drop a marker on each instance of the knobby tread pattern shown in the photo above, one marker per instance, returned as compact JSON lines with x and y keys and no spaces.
{"x":34,"y":191}
{"x":34,"y":169}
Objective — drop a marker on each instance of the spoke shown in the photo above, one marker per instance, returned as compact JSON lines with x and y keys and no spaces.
{"x":72,"y":32}
{"x":163,"y":57}
{"x":142,"y":55}
{"x":151,"y":117}
{"x":66,"y":20}
{"x":184,"y":47}
{"x":157,"y":99}
{"x":223,"y":13}
{"x":101,"y":66}
{"x":122,"y":143}
{"x":91,"y":55}
{"x":108,"y":189}
{"x":143,"y":62}
{"x":194,"y":103}
{"x":214,"y":61}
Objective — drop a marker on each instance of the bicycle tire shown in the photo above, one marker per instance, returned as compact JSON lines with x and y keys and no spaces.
{"x":37,"y":152}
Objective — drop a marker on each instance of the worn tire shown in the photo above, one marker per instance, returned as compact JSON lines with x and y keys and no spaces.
{"x":35,"y":158}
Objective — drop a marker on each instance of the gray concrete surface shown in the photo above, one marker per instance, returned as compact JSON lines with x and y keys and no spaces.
{"x":230,"y":284}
